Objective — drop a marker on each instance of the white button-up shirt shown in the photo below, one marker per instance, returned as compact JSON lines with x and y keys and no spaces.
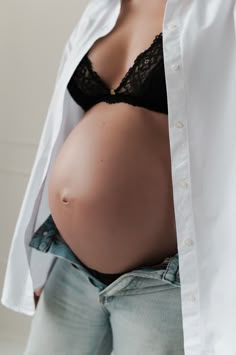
{"x":199,"y":45}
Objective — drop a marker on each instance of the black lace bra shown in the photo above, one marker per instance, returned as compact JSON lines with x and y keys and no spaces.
{"x":143,"y":85}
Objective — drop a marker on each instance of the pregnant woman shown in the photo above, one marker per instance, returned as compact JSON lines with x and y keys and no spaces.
{"x":112,"y":222}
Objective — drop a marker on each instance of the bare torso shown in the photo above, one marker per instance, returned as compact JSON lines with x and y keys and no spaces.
{"x":110,"y":189}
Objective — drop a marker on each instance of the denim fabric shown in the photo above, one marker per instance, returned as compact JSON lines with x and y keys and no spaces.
{"x":139,"y":313}
{"x":47,"y":239}
{"x":78,"y":314}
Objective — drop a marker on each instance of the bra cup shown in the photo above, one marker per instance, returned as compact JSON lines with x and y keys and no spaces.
{"x":143,"y":85}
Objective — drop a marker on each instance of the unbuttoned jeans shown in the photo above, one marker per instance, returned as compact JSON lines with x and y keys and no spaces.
{"x":137,"y":314}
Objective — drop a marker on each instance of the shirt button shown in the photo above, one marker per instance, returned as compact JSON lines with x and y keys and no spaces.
{"x":184,"y":183}
{"x":179,"y":124}
{"x":172,"y":26}
{"x":192,"y":297}
{"x":175,"y":67}
{"x":188,"y":242}
{"x":45,"y":233}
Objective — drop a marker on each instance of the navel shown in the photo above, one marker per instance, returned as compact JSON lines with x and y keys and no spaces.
{"x":65,"y":199}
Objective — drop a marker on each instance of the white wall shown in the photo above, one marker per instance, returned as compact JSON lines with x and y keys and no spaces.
{"x":32,"y":37}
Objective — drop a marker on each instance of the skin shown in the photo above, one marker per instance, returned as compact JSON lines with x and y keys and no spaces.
{"x":37,"y":294}
{"x":110,"y":188}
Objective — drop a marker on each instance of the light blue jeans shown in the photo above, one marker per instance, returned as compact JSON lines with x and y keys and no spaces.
{"x":137,"y":314}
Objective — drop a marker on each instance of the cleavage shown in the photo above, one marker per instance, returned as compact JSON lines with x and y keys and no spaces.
{"x":122,"y":81}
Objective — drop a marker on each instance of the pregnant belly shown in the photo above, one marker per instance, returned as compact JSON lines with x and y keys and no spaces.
{"x":110,"y":191}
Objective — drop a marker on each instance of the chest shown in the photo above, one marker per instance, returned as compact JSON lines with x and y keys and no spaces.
{"x":114,"y":54}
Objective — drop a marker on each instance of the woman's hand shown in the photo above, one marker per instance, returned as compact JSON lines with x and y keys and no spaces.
{"x":37,"y":294}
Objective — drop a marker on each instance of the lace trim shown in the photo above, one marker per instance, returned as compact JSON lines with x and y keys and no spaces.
{"x":157,"y":38}
{"x":141,"y":85}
